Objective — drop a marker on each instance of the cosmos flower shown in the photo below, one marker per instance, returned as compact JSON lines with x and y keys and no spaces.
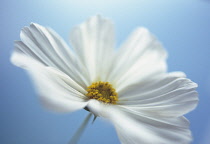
{"x":129,"y":86}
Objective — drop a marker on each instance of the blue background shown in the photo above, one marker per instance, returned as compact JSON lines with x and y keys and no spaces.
{"x":183,"y":26}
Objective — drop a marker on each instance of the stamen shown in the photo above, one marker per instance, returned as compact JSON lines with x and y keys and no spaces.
{"x":102,"y":91}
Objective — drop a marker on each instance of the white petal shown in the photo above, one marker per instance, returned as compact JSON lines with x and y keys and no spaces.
{"x":168,"y":96}
{"x":140,"y":57}
{"x":57,"y":91}
{"x":177,"y":74}
{"x":98,"y":108}
{"x":135,"y":128}
{"x":45,"y":46}
{"x":93,"y":42}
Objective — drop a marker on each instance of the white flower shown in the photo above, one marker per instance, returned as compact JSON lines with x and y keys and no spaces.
{"x":145,"y":103}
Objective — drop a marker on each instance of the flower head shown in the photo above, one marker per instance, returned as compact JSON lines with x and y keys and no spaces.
{"x":130,"y":87}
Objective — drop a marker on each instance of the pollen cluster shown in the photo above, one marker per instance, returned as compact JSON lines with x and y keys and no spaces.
{"x":102,"y":91}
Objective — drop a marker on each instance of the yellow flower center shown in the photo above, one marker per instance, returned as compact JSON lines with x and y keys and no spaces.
{"x":102,"y":91}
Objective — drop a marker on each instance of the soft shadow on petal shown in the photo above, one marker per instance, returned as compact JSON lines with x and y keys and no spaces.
{"x":93,"y":42}
{"x":136,"y":128}
{"x":57,"y":91}
{"x":48,"y":48}
{"x":168,"y":96}
{"x":98,"y":108}
{"x":140,"y":57}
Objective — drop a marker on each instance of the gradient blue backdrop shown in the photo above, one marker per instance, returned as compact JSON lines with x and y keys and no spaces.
{"x":183,"y":26}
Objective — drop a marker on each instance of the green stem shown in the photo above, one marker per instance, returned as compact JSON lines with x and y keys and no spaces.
{"x":81,"y":129}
